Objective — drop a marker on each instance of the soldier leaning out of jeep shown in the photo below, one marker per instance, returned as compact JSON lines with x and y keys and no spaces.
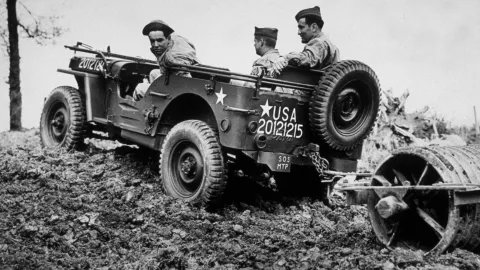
{"x":169,"y":49}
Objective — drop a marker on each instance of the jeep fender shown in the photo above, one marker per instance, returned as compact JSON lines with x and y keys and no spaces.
{"x":91,"y":88}
{"x":184,"y":107}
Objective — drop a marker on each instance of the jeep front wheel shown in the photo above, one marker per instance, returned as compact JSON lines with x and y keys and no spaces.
{"x":62,"y":123}
{"x":345,"y":105}
{"x":191,"y":164}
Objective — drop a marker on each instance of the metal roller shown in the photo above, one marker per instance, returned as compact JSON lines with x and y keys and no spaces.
{"x":426,"y":198}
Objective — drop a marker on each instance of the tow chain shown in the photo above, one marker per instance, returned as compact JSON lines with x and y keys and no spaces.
{"x":321,"y":164}
{"x":322,"y":167}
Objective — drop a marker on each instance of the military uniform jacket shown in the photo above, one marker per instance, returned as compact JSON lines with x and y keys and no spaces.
{"x":179,"y":51}
{"x":265,"y":62}
{"x":318,"y":53}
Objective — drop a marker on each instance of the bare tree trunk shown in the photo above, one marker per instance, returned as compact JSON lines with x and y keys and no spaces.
{"x":14,"y":76}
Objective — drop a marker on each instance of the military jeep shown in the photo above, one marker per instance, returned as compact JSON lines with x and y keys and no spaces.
{"x":218,"y":124}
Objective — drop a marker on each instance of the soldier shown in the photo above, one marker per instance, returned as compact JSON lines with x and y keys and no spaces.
{"x":264,"y":42}
{"x":169,"y":49}
{"x":319,"y":51}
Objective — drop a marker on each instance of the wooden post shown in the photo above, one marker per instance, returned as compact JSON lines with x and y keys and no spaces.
{"x":435,"y":130}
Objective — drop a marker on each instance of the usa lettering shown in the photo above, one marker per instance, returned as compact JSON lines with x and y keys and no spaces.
{"x":284,"y":113}
{"x":283,"y":123}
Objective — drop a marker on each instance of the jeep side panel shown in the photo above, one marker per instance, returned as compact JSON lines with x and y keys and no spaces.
{"x":230,"y":109}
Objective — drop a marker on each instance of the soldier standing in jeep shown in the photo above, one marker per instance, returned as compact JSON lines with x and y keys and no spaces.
{"x":169,"y":49}
{"x":319,"y":51}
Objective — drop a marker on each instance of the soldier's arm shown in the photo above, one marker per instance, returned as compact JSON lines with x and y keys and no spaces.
{"x":257,"y":70}
{"x":175,"y":59}
{"x":310,"y":57}
{"x":182,"y":53}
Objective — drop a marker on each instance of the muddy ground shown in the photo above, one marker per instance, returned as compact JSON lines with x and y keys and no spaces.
{"x":102,"y":208}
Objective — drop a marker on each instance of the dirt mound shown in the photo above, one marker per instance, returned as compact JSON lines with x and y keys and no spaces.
{"x":103,"y":208}
{"x":395,"y":129}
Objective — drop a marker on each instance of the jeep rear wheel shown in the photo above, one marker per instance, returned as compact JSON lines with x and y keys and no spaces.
{"x":191,"y":164}
{"x":62,"y":123}
{"x":345,"y":105}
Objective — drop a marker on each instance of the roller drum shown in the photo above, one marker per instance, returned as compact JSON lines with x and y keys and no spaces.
{"x":433,"y":222}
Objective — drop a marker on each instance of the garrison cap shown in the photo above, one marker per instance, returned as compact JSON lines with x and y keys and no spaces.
{"x":157,"y":25}
{"x":266,"y":32}
{"x":315,"y":12}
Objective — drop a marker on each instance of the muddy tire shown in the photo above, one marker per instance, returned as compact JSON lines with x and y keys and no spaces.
{"x":62,"y":123}
{"x":191,"y":164}
{"x":345,"y":105}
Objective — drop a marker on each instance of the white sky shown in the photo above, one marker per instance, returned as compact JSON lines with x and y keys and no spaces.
{"x":430,"y":47}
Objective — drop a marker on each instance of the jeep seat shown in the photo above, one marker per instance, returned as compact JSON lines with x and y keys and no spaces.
{"x":300,"y":75}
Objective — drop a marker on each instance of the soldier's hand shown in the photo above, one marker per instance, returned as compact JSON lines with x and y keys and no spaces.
{"x":279,"y":65}
{"x":137,"y":96}
{"x":293,"y":58}
{"x":140,"y":90}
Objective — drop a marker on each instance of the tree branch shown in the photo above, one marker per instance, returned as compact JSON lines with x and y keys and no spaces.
{"x":26,"y":30}
{"x":40,"y":33}
{"x":29,"y":12}
{"x":41,"y":29}
{"x":5,"y":43}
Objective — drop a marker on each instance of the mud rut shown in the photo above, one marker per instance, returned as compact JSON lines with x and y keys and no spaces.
{"x":101,"y":208}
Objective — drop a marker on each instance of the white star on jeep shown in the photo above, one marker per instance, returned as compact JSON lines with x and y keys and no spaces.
{"x":266,"y":109}
{"x":220,"y":96}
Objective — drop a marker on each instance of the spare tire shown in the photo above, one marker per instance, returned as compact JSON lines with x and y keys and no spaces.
{"x":345,"y":105}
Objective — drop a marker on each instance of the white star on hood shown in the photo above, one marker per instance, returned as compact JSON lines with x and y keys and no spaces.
{"x":266,"y":109}
{"x":220,"y":96}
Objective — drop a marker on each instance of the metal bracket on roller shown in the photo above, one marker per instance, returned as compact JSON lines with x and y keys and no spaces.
{"x":357,"y":191}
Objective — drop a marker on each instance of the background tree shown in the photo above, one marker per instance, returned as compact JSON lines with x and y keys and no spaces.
{"x":40,"y":28}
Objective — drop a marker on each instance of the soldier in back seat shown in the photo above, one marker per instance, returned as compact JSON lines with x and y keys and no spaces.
{"x":264,"y":42}
{"x":169,"y":49}
{"x":319,"y":51}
